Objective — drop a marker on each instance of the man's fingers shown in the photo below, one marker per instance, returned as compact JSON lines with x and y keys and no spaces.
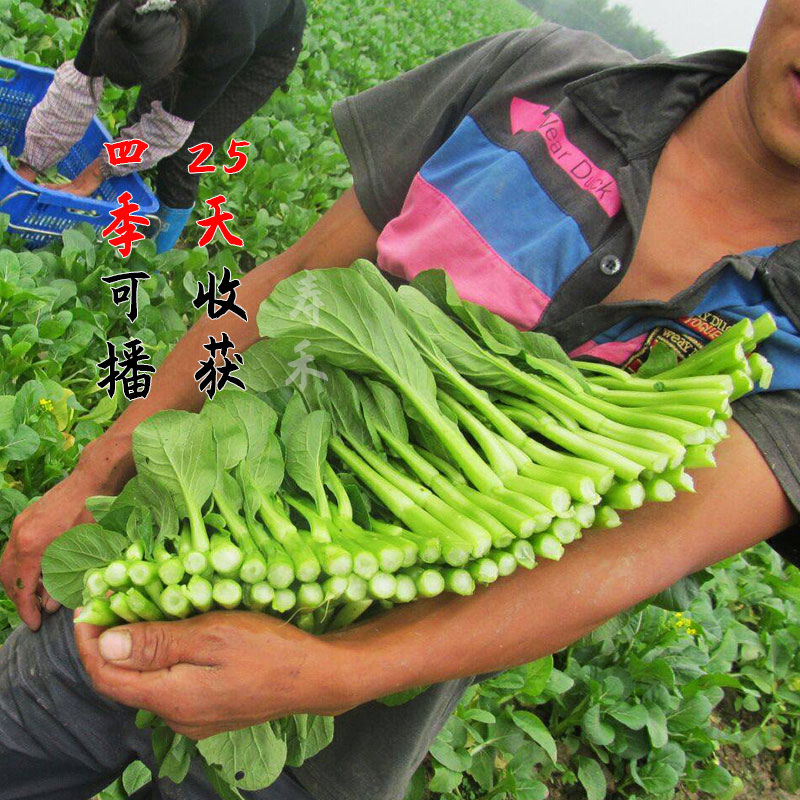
{"x":149,"y":646}
{"x":48,"y":603}
{"x":23,"y":593}
{"x":45,"y":601}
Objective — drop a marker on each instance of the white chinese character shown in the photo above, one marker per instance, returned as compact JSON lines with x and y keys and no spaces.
{"x":301,"y":367}
{"x":308,"y":299}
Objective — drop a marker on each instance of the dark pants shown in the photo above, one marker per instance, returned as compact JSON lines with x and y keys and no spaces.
{"x":60,"y":740}
{"x":249,"y":90}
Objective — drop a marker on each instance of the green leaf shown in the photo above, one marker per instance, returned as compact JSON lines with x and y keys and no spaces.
{"x":358,"y":500}
{"x":229,"y":435}
{"x":789,"y":777}
{"x":344,"y":402}
{"x":139,"y":492}
{"x":479,"y":715}
{"x":591,"y":776}
{"x":178,"y":759}
{"x":249,"y":759}
{"x":356,"y":329}
{"x":662,"y":357}
{"x":6,"y":412}
{"x":140,"y":527}
{"x":305,"y":736}
{"x":264,"y":469}
{"x":679,"y":596}
{"x":400,"y":698}
{"x":222,"y":787}
{"x":634,"y":717}
{"x":715,"y":780}
{"x":176,"y":449}
{"x":536,"y":729}
{"x":595,"y":730}
{"x":417,"y":786}
{"x":136,"y":776}
{"x":266,"y":367}
{"x":103,"y":412}
{"x":306,"y":454}
{"x":657,"y":726}
{"x":444,"y":780}
{"x":18,"y":444}
{"x":294,"y":413}
{"x":537,"y":674}
{"x":692,"y":714}
{"x":318,"y":735}
{"x":482,"y":769}
{"x":457,"y":760}
{"x":67,"y":558}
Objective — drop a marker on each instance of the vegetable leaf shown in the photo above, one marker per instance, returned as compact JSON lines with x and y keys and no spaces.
{"x":67,"y":558}
{"x":662,"y":357}
{"x":306,"y":454}
{"x":176,"y":449}
{"x":248,"y":759}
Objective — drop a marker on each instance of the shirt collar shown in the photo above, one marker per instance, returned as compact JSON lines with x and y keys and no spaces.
{"x":637,"y":106}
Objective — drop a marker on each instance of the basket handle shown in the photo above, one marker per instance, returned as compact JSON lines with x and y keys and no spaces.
{"x":13,"y":226}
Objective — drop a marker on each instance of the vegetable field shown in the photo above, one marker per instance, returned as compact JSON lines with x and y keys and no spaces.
{"x":693,"y":695}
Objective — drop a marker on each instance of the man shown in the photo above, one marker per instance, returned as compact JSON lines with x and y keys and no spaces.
{"x":569,"y":188}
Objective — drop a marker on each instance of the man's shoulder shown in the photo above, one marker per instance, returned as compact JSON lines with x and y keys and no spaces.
{"x":552,"y":55}
{"x":559,"y":43}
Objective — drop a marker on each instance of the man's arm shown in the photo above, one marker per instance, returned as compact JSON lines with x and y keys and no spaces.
{"x":221,"y":671}
{"x":340,"y":237}
{"x":532,"y":614}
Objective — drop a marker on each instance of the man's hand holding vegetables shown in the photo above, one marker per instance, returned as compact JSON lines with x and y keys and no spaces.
{"x":725,"y":182}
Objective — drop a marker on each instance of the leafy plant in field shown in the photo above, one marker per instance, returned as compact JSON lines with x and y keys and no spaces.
{"x":643,"y":705}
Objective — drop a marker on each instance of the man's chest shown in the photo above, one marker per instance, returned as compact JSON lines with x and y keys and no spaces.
{"x":552,"y":232}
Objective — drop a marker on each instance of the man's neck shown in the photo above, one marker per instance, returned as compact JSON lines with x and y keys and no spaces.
{"x":734,"y":162}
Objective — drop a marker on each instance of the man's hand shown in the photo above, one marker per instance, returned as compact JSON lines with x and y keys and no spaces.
{"x":218,"y":672}
{"x":26,"y":172}
{"x":85,"y":185}
{"x":34,"y":529}
{"x":104,"y":468}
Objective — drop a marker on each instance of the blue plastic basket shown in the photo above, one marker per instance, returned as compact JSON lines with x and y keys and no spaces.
{"x":40,"y":215}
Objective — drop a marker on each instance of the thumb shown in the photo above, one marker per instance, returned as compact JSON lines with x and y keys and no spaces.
{"x":144,"y":646}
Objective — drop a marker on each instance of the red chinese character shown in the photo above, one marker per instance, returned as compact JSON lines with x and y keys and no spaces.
{"x":204,"y":151}
{"x":125,"y":151}
{"x":216,"y":222}
{"x":124,"y":225}
{"x":234,"y":151}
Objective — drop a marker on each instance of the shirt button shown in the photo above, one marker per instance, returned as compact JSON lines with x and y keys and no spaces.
{"x":610,"y":265}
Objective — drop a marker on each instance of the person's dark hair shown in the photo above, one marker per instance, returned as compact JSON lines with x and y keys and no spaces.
{"x":136,"y":49}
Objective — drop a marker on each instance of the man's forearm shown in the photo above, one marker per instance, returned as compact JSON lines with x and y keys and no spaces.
{"x":341,"y":236}
{"x":531,"y":614}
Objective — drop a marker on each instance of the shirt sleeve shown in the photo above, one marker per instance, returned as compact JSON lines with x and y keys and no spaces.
{"x":772,"y":421}
{"x":390,"y":131}
{"x":61,"y":118}
{"x":164,"y":133}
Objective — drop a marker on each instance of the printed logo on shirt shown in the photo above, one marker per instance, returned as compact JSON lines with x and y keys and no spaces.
{"x":708,"y":325}
{"x":532,"y":117}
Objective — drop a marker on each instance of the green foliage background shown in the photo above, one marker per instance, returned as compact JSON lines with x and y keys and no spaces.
{"x":657,"y":701}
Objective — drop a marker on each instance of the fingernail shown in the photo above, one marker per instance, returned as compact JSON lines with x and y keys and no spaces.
{"x":115,"y":645}
{"x":77,"y":612}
